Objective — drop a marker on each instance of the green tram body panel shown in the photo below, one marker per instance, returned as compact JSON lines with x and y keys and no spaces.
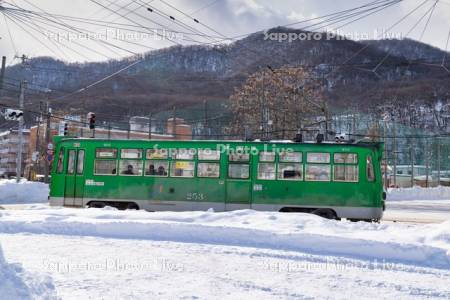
{"x":80,"y":186}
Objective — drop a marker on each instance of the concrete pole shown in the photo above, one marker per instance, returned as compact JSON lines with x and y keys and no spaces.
{"x":439,"y":161}
{"x":47,"y":141}
{"x":20,"y":133}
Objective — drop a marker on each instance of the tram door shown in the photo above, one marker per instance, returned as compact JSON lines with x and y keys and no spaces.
{"x":238,"y":186}
{"x":74,"y":185}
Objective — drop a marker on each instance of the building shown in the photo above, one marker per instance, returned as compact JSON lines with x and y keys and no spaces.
{"x":9,"y":149}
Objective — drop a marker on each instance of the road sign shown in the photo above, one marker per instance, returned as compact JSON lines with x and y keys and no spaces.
{"x":35,"y":156}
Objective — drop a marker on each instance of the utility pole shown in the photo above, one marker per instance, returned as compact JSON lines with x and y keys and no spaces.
{"x":38,"y":133}
{"x":395,"y":153}
{"x":2,"y":73}
{"x":427,"y":164}
{"x":205,"y":125}
{"x":20,"y":133}
{"x":385,"y":156}
{"x":47,"y":141}
{"x":438,"y":161}
{"x":174,"y":121}
{"x":412,"y":149}
{"x":150,"y":116}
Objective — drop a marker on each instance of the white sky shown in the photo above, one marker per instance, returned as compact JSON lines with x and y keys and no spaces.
{"x":228,"y":17}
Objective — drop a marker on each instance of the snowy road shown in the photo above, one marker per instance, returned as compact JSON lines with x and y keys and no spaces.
{"x":47,"y":252}
{"x":418,"y":211}
{"x":110,"y":254}
{"x":104,"y":268}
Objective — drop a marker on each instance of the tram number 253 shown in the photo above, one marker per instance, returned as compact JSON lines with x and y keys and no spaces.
{"x":195,"y":197}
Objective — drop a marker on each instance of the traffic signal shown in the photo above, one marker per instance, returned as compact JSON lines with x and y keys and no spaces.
{"x":66,"y":129}
{"x":91,"y":117}
{"x":13,"y":114}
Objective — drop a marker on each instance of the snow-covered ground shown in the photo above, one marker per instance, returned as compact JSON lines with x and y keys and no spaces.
{"x":419,"y":193}
{"x":16,"y":283}
{"x":110,"y":254}
{"x":12,"y":192}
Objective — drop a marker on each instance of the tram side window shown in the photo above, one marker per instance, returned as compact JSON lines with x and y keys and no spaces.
{"x":71,"y":163}
{"x":318,"y":172}
{"x":183,"y":153}
{"x":60,"y":166}
{"x":345,"y":158}
{"x":211,"y":170}
{"x":131,"y":153}
{"x":156,"y":168}
{"x":239,"y":156}
{"x":290,"y":156}
{"x":267,"y":156}
{"x":157,"y":154}
{"x":347,"y":173}
{"x":370,"y":170}
{"x":346,"y":168}
{"x":239,"y":171}
{"x":208,"y":154}
{"x":318,"y":157}
{"x":266,"y":171}
{"x":290,"y":171}
{"x":130,"y":167}
{"x":80,"y":162}
{"x":182,"y":169}
{"x":105,"y":153}
{"x":318,"y":167}
{"x":105,"y":167}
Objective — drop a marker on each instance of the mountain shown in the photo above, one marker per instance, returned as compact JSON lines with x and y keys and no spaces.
{"x":186,"y":76}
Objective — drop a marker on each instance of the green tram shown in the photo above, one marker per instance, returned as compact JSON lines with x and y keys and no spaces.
{"x":333,"y":180}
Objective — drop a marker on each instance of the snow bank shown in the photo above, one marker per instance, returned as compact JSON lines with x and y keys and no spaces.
{"x":426,"y":245}
{"x":12,"y":192}
{"x":419,"y":193}
{"x":15,"y":283}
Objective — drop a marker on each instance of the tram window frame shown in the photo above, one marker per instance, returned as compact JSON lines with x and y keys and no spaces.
{"x":266,"y":157}
{"x":314,"y":163}
{"x":71,"y":166}
{"x":130,"y":161}
{"x":310,"y":161}
{"x":318,"y":165}
{"x":98,"y":150}
{"x":239,"y":157}
{"x":164,"y":154}
{"x":355,"y":155}
{"x":208,"y":163}
{"x":239,"y":164}
{"x":203,"y":155}
{"x":345,"y":166}
{"x":106,"y":174}
{"x":282,"y":159}
{"x":344,"y":163}
{"x":156,"y":161}
{"x":280,"y":174}
{"x":60,"y":163}
{"x":80,"y":167}
{"x":370,"y":169}
{"x":123,"y":151}
{"x":175,"y":154}
{"x":272,"y":175}
{"x":173,"y":165}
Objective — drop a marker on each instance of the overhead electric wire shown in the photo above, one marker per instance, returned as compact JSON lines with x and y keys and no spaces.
{"x":101,"y":42}
{"x":408,"y":33}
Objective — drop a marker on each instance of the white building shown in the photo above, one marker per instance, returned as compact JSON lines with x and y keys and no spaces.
{"x":9,"y":142}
